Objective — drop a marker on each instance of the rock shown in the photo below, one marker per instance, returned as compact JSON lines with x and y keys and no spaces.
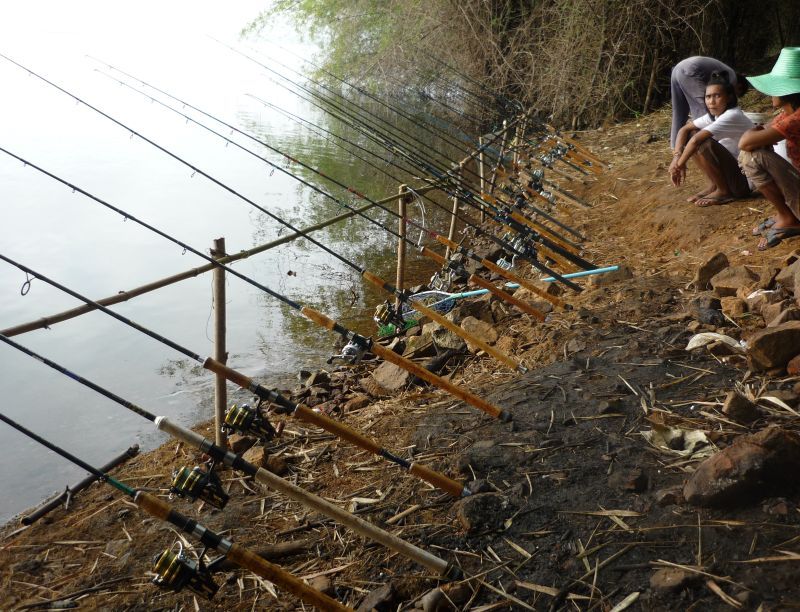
{"x":705,"y":308}
{"x":445,"y":340}
{"x":727,"y":281}
{"x":757,"y":300}
{"x":277,"y":465}
{"x":773,"y":347}
{"x":482,"y":512}
{"x":380,"y":600}
{"x":733,"y":306}
{"x":239,"y":443}
{"x":766,"y":279}
{"x":668,"y":497}
{"x":631,"y":481}
{"x":319,"y":391}
{"x":785,"y":278}
{"x":479,"y":329}
{"x":670,"y":579}
{"x":256,"y":455}
{"x":320,"y":378}
{"x":499,"y":312}
{"x":322,"y":584}
{"x":793,"y":367}
{"x":708,"y":269}
{"x":771,"y":310}
{"x":391,"y":377}
{"x":739,"y":408}
{"x":790,"y":397}
{"x":372,"y":388}
{"x":420,"y":346}
{"x":753,"y":467}
{"x":790,"y":314}
{"x":611,"y":278}
{"x":356,"y":403}
{"x":479,"y":309}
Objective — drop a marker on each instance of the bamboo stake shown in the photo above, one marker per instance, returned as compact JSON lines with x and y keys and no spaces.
{"x":401,"y":241}
{"x":482,"y":180}
{"x":452,"y":231}
{"x":220,"y":350}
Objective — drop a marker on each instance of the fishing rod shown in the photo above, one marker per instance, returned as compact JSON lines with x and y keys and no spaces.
{"x":385,"y":141}
{"x":320,"y":319}
{"x":292,"y":159}
{"x":284,"y":404}
{"x":176,"y":571}
{"x":391,"y":107}
{"x":372,"y":278}
{"x":223,"y":456}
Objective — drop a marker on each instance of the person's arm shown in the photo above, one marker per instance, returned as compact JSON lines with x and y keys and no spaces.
{"x":760,"y":137}
{"x":689,"y":138}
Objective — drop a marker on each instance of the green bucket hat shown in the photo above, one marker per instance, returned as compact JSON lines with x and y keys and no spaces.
{"x":784,"y":79}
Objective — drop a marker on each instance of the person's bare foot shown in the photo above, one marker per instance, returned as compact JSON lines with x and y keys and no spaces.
{"x":714,"y":198}
{"x":700,"y":194}
{"x":763,"y":226}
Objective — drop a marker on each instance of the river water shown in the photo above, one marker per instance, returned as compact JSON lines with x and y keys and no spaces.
{"x":66,"y":236}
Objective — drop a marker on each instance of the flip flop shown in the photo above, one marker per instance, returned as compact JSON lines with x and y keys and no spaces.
{"x":713,"y":201}
{"x":764,"y":226}
{"x":775,"y":235}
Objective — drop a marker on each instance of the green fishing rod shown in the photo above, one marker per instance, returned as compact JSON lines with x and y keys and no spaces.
{"x":284,"y":404}
{"x":176,"y":571}
{"x":371,"y":278}
{"x":223,"y":456}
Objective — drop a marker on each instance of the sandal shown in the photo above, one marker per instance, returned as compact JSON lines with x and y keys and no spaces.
{"x":775,"y":235}
{"x":763,"y":226}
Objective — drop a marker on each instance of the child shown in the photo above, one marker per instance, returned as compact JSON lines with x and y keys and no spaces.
{"x":712,"y":140}
{"x":777,"y":179}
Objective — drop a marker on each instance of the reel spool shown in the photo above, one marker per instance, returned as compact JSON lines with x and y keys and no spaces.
{"x":175,"y":571}
{"x":197,"y":483}
{"x":246,"y":420}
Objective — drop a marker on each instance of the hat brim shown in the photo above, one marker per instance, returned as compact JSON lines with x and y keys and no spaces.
{"x":773,"y":85}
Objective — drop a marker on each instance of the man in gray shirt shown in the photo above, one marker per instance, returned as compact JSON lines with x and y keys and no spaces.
{"x":688,"y":85}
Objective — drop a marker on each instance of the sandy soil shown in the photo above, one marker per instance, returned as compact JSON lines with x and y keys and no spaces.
{"x":579,"y":513}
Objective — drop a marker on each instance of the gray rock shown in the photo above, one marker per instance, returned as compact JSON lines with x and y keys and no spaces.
{"x":391,"y":377}
{"x":479,"y":329}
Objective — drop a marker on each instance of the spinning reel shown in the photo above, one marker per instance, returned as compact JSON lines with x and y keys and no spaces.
{"x":199,"y":483}
{"x":175,"y":571}
{"x":245,"y":420}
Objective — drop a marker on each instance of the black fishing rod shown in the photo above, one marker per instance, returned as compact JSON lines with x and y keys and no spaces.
{"x":373,"y":279}
{"x":466,"y":96}
{"x":516,"y":219}
{"x":503,"y":100}
{"x":221,"y":455}
{"x":384,"y":140}
{"x":285,"y":405}
{"x":177,"y":571}
{"x":444,"y":136}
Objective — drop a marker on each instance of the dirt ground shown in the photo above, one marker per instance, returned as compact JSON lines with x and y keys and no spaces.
{"x":576,"y":510}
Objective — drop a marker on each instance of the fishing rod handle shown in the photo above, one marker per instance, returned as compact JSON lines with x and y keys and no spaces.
{"x":522,"y":282}
{"x":433,"y":255}
{"x":504,"y":295}
{"x":238,"y":554}
{"x":341,"y":430}
{"x":309,"y":500}
{"x":429,"y":377}
{"x":439,"y":480}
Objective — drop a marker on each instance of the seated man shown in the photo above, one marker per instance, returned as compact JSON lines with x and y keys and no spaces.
{"x":777,"y":179}
{"x":711,"y":140}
